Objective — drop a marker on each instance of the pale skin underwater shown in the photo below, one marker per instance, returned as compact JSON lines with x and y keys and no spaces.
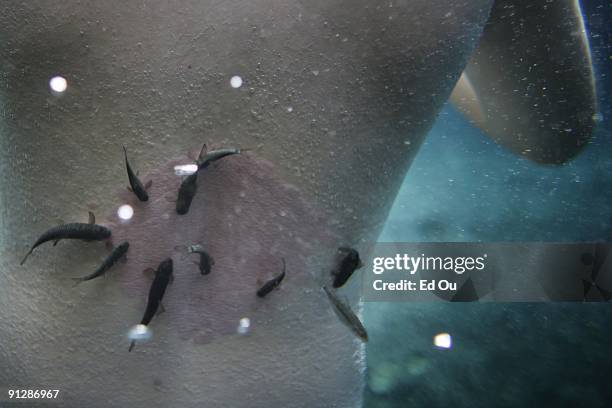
{"x":334,"y":103}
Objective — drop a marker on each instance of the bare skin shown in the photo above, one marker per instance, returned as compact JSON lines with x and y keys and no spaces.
{"x":335,"y":102}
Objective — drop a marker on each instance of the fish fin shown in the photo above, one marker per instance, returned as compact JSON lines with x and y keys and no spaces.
{"x":130,"y":189}
{"x":148,"y":184}
{"x":149,"y":272}
{"x":212,"y":261}
{"x":203,"y":152}
{"x":171,"y":279}
{"x":124,"y":259}
{"x":26,"y":256}
{"x":56,"y":242}
{"x":360,"y":264}
{"x":92,"y":218}
{"x":132,"y":344}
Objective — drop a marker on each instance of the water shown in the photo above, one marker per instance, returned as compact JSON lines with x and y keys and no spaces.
{"x":463,"y":187}
{"x":341,"y":110}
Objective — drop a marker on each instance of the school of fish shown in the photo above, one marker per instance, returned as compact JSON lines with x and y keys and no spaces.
{"x":346,"y":263}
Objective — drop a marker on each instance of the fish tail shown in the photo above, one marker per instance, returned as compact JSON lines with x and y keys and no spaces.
{"x":77,"y":281}
{"x":202,"y":152}
{"x":26,"y":256}
{"x":132,"y":344}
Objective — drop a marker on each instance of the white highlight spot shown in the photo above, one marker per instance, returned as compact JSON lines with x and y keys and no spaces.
{"x":289,"y":109}
{"x":125,"y":212}
{"x":236,"y":81}
{"x":443,"y":340}
{"x":58,"y":84}
{"x":185,"y":169}
{"x":244,"y":326}
{"x":139,"y":332}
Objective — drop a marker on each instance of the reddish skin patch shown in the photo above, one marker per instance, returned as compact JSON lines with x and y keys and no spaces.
{"x":246,"y":218}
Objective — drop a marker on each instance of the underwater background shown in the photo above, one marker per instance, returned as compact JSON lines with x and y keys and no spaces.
{"x":462,"y":186}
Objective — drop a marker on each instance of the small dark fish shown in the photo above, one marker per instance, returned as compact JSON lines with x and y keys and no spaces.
{"x":186,"y":192}
{"x":466,"y":293}
{"x":273,"y":283}
{"x":158,"y":288}
{"x":118,"y":252}
{"x":136,"y":186}
{"x":206,"y":261}
{"x":188,"y":188}
{"x":346,"y":315}
{"x":206,"y":159}
{"x":348,"y":263}
{"x":76,"y":230}
{"x":156,"y":293}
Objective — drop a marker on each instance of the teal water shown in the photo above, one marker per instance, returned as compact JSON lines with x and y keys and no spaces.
{"x":464,"y":187}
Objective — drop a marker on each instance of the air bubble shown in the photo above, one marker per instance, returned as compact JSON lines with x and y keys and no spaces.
{"x":185,"y":169}
{"x":236,"y":81}
{"x":58,"y":84}
{"x":244,"y":326}
{"x":139,"y":332}
{"x":125,"y":212}
{"x":443,"y":340}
